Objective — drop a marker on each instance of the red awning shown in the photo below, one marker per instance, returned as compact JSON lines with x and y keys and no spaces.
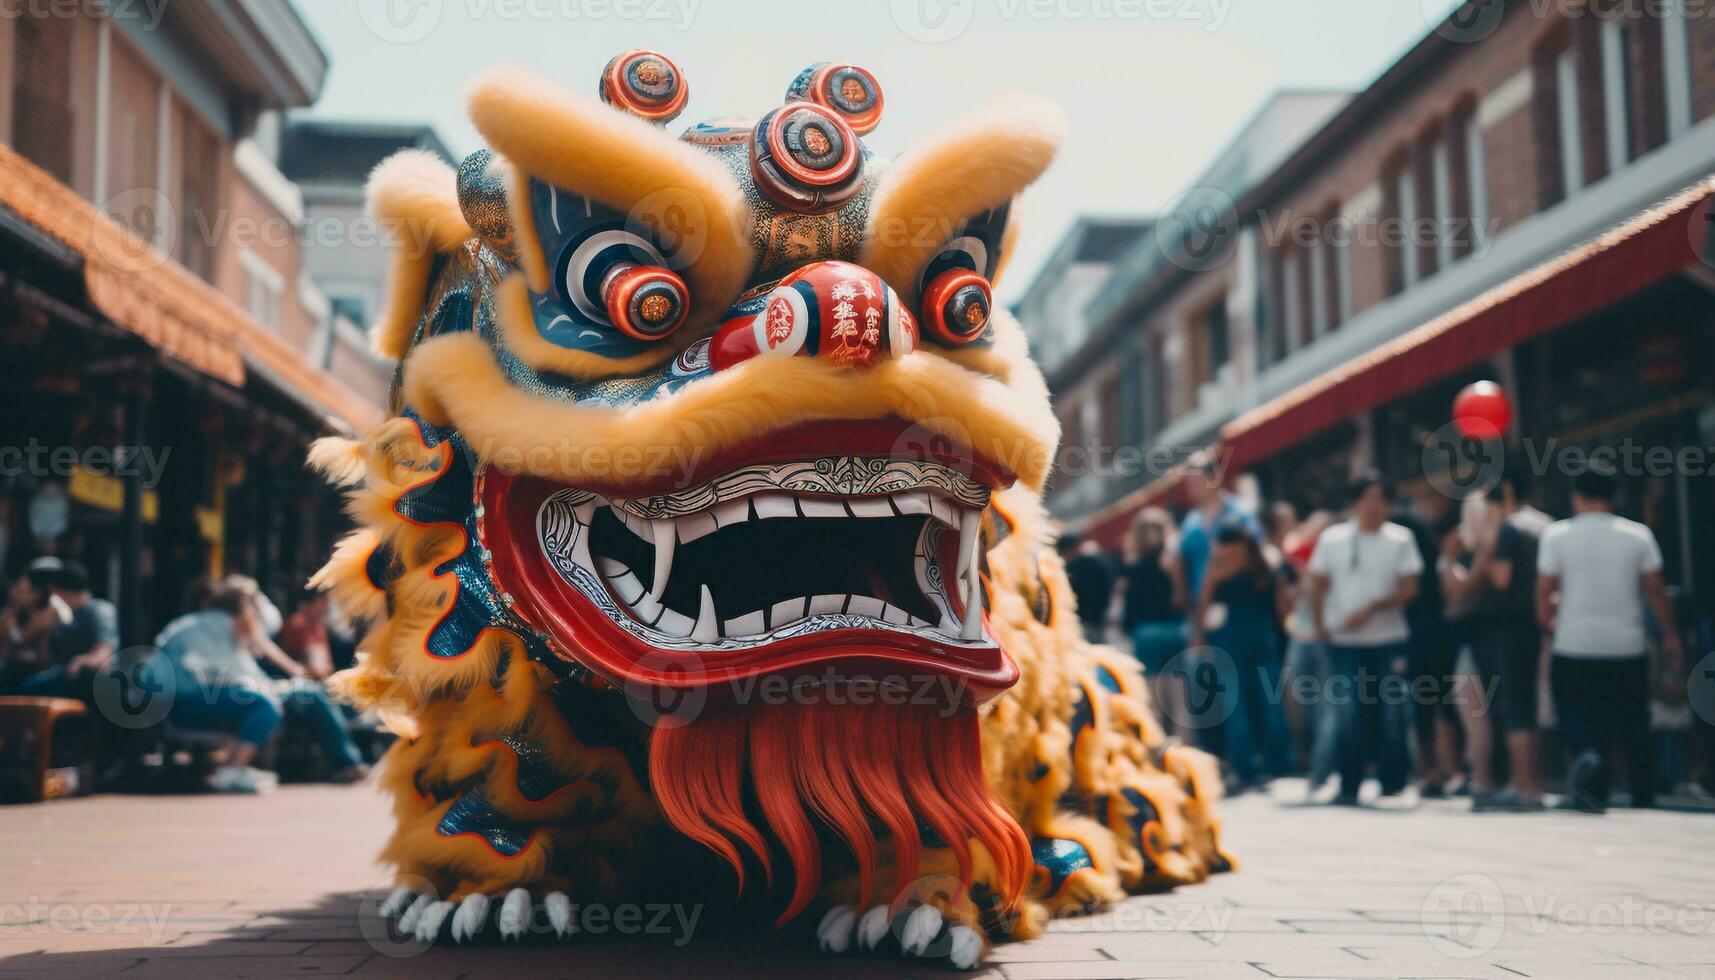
{"x":1621,"y":262}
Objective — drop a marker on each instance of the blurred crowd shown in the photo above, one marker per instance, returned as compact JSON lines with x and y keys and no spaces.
{"x":1467,"y":652}
{"x":241,"y":683}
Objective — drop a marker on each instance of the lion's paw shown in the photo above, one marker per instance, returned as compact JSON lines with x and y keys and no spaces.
{"x":916,"y":932}
{"x":479,"y":918}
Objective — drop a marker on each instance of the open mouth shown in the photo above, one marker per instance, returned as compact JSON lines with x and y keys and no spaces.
{"x":780,"y":550}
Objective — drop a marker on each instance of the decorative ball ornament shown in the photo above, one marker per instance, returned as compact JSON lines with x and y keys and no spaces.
{"x":850,"y":91}
{"x":1482,"y":410}
{"x":646,"y":84}
{"x":835,"y":311}
{"x":956,"y":306}
{"x":645,"y":302}
{"x":805,"y":158}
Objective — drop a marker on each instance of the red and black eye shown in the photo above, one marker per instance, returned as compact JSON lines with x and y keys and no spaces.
{"x":850,"y":91}
{"x":956,"y":306}
{"x":613,"y":275}
{"x":646,"y":84}
{"x":645,"y":302}
{"x":805,"y":158}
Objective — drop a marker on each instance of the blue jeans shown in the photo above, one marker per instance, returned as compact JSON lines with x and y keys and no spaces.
{"x":1375,"y":715}
{"x":254,"y":715}
{"x":1250,"y":704}
{"x":1309,"y":659}
{"x":1155,"y":644}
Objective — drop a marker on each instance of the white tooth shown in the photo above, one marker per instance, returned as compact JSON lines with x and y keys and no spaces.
{"x":863,"y":605}
{"x":625,"y":586}
{"x":818,"y":507}
{"x":636,"y":525}
{"x":708,"y":628}
{"x":746,"y":625}
{"x":827,"y":605}
{"x":674,"y":623}
{"x":913,"y":503}
{"x":786,"y":611}
{"x":694,"y":526}
{"x":914,"y":621}
{"x":894,"y":614}
{"x":666,"y":538}
{"x":973,"y":607}
{"x":770,"y":505}
{"x":610,"y":567}
{"x":729,"y":512}
{"x":585,"y":512}
{"x":970,"y":532}
{"x":647,"y":609}
{"x":944,"y":511}
{"x":870,"y":507}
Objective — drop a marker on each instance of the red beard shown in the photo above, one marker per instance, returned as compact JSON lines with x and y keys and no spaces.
{"x":843,"y":766}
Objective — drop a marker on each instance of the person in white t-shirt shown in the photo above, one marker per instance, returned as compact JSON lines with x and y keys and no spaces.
{"x":1605,"y":572}
{"x":1363,"y":573}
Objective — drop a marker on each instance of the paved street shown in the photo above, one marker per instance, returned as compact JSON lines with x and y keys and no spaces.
{"x":187,"y":887}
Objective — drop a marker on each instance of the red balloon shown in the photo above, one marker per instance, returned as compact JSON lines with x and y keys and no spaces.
{"x":1482,"y":410}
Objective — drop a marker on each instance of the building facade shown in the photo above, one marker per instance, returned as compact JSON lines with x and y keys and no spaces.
{"x":167,"y":346}
{"x":1521,"y":198}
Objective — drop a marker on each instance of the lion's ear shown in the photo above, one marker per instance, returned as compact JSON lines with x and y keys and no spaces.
{"x":563,"y":146}
{"x":413,"y":196}
{"x":948,"y":199}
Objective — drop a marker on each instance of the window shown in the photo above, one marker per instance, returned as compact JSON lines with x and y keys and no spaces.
{"x":1215,"y":328}
{"x":1570,"y":126}
{"x":264,"y":287}
{"x":199,"y":191}
{"x":353,"y":308}
{"x":133,"y":130}
{"x":42,"y":117}
{"x":1467,"y":136}
{"x":1617,"y":92}
{"x":1155,"y":405}
{"x":1441,"y":198}
{"x":1405,"y":196}
{"x":1291,"y":302}
{"x":1675,"y":67}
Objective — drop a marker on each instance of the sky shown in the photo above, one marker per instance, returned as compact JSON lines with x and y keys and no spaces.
{"x":1153,"y":89}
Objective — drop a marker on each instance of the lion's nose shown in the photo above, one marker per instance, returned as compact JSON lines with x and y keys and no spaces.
{"x":837,"y":311}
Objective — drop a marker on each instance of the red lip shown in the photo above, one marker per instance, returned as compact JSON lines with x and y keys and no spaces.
{"x":580,"y":631}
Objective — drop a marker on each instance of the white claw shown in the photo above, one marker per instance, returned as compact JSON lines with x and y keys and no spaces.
{"x":871,"y":928}
{"x":429,"y":924}
{"x":921,"y":928}
{"x":834,"y":935}
{"x":560,"y":914}
{"x":396,"y":902}
{"x":514,"y":911}
{"x":966,"y":948}
{"x":470,"y":918}
{"x":408,"y":921}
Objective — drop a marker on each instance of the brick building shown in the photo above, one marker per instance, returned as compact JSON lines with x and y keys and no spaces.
{"x":167,"y":350}
{"x":1521,"y":197}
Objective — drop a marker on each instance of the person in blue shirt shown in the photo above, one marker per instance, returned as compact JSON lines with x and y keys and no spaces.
{"x":211,"y":659}
{"x":1211,"y":505}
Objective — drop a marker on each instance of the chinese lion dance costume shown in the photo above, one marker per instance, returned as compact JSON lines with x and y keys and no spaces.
{"x":705,"y":525}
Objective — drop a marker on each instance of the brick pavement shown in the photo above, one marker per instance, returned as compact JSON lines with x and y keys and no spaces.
{"x":188,"y":887}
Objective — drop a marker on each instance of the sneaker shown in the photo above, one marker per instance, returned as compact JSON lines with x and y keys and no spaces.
{"x":1458,"y":786}
{"x":1433,"y":791}
{"x":242,"y":779}
{"x":1403,"y":801}
{"x":349,"y":775}
{"x":1328,"y":792}
{"x":1509,"y":801}
{"x":1482,"y":800}
{"x":1580,"y":784}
